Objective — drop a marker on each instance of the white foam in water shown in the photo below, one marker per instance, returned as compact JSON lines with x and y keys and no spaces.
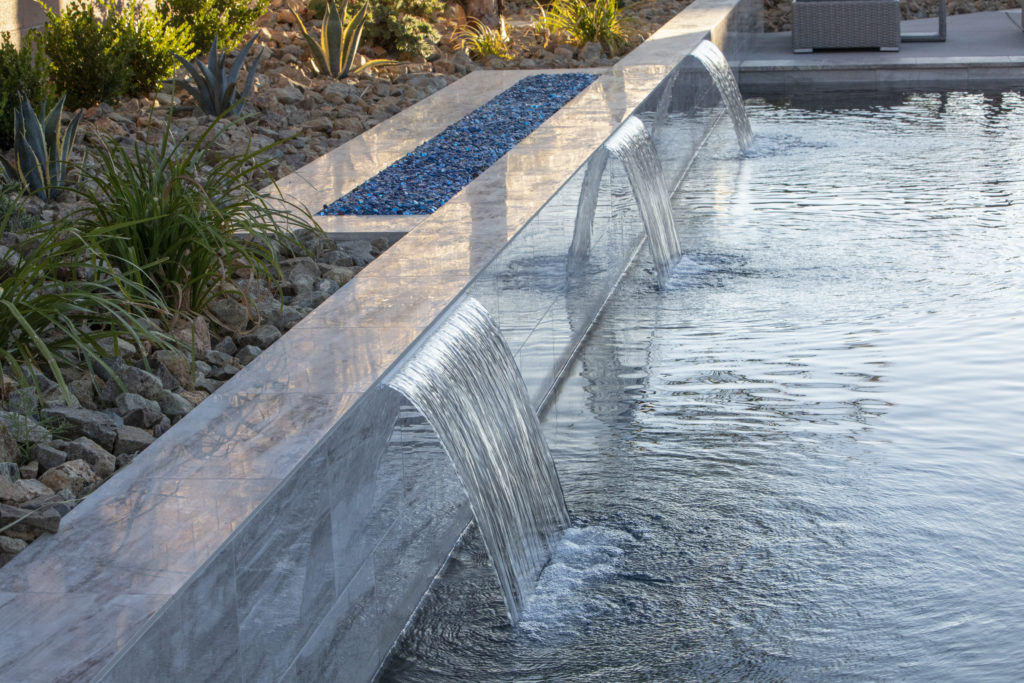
{"x":583,"y":557}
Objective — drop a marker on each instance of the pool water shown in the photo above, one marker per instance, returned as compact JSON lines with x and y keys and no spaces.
{"x":803,"y":458}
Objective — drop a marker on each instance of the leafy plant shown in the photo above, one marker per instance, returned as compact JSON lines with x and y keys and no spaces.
{"x":41,"y":148}
{"x":481,"y":40}
{"x":404,"y":26}
{"x":227,"y":20}
{"x":25,"y":71}
{"x":214,"y":86}
{"x":125,"y":48}
{"x":85,"y":61}
{"x":584,"y":21}
{"x":150,"y":44}
{"x":335,"y":52}
{"x":187,"y":227}
{"x":50,"y":320}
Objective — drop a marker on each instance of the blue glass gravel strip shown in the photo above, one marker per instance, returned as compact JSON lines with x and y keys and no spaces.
{"x":423,"y":180}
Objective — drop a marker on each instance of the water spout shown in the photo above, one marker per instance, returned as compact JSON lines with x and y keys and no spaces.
{"x":464,"y":380}
{"x":708,"y":54}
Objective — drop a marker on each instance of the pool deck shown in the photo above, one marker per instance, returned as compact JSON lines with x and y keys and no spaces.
{"x":982,"y":50}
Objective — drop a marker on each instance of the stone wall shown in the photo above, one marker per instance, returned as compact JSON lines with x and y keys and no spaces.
{"x":17,"y":17}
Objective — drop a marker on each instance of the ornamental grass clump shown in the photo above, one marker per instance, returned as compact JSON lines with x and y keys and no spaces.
{"x":480,"y":40}
{"x":188,"y":227}
{"x":583,"y":22}
{"x":63,"y":305}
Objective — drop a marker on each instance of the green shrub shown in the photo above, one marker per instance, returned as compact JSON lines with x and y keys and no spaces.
{"x":227,"y":20}
{"x":403,"y":26}
{"x":187,"y":227}
{"x":85,"y":61}
{"x":53,"y":316}
{"x":584,"y":21}
{"x":150,"y":43}
{"x":97,"y":57}
{"x":24,"y":71}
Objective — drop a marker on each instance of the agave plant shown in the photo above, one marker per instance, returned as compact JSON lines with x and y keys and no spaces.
{"x":335,"y":52}
{"x":214,"y":86}
{"x":42,"y":146}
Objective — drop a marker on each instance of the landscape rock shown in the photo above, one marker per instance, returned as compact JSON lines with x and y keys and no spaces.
{"x":29,"y":470}
{"x":173,"y":368}
{"x":226,"y":345}
{"x":229,"y":312}
{"x":22,"y":428}
{"x":47,"y":456}
{"x":9,"y":451}
{"x":10,"y":471}
{"x":11,"y":493}
{"x":139,"y":381}
{"x":84,"y":448}
{"x":99,"y":426}
{"x":43,"y":520}
{"x":105,"y":465}
{"x":34,"y":488}
{"x":263,"y":336}
{"x":73,"y":475}
{"x":173,"y":405}
{"x":9,"y":547}
{"x":288,"y":95}
{"x":246,"y":354}
{"x":132,"y":440}
{"x":195,"y":333}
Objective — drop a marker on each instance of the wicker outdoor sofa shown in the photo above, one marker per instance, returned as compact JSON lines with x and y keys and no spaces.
{"x":830,"y":24}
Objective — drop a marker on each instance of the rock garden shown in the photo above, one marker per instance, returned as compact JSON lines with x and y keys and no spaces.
{"x":141,"y":263}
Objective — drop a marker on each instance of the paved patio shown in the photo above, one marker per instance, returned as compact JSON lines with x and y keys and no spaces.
{"x":985,"y":49}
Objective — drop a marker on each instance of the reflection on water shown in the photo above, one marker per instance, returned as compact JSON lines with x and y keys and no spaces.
{"x":803,"y":458}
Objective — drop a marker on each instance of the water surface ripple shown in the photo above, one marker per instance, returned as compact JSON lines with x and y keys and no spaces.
{"x":803,"y":458}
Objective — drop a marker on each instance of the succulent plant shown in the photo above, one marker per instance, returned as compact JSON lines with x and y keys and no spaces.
{"x":42,"y":146}
{"x":335,"y":52}
{"x":214,"y":86}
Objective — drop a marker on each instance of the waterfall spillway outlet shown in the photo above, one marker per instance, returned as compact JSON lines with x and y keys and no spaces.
{"x":708,"y":54}
{"x":464,"y":380}
{"x":631,"y":145}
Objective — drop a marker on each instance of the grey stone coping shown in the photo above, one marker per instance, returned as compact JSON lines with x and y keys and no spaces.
{"x":154,"y":575}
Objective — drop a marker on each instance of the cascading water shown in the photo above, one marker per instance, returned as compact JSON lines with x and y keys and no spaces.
{"x":464,"y":380}
{"x":631,"y":145}
{"x":580,"y":247}
{"x":708,"y":54}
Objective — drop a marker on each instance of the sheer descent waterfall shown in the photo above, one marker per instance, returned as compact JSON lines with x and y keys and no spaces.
{"x":708,"y":54}
{"x":464,"y":380}
{"x":631,"y":145}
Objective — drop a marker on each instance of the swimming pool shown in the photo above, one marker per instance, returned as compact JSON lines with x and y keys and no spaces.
{"x":802,"y":458}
